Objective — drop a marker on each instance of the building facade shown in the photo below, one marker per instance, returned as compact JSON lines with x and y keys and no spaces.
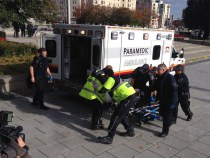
{"x":62,"y":6}
{"x":160,"y":12}
{"x":164,"y":18}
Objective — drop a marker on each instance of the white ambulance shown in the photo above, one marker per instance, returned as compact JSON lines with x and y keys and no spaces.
{"x":73,"y":50}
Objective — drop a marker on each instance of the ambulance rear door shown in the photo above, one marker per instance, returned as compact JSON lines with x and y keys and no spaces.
{"x":96,"y":56}
{"x":166,"y":57}
{"x":52,"y":43}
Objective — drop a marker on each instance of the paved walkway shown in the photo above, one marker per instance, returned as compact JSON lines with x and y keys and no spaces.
{"x":63,"y":131}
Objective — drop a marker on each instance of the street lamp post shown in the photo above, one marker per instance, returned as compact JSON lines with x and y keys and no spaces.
{"x":69,"y":11}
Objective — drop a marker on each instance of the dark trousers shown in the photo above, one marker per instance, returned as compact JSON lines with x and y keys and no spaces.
{"x":184,"y":100}
{"x":120,"y":115}
{"x":22,"y":33}
{"x":39,"y":94}
{"x":167,"y":119}
{"x":145,"y":95}
{"x":97,"y":111}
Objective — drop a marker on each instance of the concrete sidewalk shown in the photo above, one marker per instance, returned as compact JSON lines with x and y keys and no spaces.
{"x":63,"y":131}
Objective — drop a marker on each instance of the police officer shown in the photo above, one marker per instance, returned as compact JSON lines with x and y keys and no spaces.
{"x":39,"y":71}
{"x":141,"y":76}
{"x":136,"y":78}
{"x":90,"y":92}
{"x":183,"y":93}
{"x":124,"y":95}
{"x":167,"y":94}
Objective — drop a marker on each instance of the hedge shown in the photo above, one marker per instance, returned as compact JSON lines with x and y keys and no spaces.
{"x":2,"y":34}
{"x":16,"y":49}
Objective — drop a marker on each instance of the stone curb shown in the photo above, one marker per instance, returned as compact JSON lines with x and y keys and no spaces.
{"x":10,"y":83}
{"x":187,"y":40}
{"x":193,"y":60}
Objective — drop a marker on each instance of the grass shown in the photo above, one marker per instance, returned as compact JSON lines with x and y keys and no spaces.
{"x":10,"y":65}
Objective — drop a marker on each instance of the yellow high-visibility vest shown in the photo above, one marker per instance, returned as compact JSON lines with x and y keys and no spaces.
{"x":91,"y":88}
{"x":122,"y":92}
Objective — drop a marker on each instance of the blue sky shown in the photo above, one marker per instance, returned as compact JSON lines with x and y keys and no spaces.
{"x":176,"y":7}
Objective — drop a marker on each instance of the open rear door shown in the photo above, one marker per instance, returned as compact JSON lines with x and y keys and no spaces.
{"x":96,"y":53}
{"x":166,"y":57}
{"x":52,"y":43}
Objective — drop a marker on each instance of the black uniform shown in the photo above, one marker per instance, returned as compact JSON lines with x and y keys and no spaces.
{"x":167,"y":94}
{"x":183,"y":95}
{"x":137,"y":75}
{"x":140,"y":81}
{"x":40,"y":65}
{"x":97,"y":107}
{"x":120,"y":115}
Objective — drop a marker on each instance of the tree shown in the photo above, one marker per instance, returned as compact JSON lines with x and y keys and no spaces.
{"x":93,"y":14}
{"x":197,"y":15}
{"x":143,"y":16}
{"x":112,"y":16}
{"x":122,"y":16}
{"x":22,"y":10}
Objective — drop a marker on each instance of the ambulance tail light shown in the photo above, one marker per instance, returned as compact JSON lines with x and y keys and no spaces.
{"x":145,"y":36}
{"x":69,"y":31}
{"x":82,"y":32}
{"x":158,"y":36}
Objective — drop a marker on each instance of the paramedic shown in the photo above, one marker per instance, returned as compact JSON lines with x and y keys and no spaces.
{"x":39,"y":72}
{"x":167,"y":94}
{"x":183,"y":93}
{"x":124,"y":95}
{"x":90,"y":92}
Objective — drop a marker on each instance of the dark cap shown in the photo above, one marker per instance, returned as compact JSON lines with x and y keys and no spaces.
{"x":178,"y":67}
{"x":145,"y":67}
{"x":108,"y":72}
{"x":140,"y":69}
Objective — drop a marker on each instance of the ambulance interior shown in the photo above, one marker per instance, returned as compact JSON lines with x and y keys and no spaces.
{"x":77,"y":53}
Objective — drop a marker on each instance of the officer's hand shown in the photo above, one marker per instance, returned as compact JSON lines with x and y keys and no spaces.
{"x":20,"y":142}
{"x":32,"y":79}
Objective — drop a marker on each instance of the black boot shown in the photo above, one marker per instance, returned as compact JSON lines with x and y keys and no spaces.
{"x":35,"y":103}
{"x":163,"y":134}
{"x":130,"y":133}
{"x":105,"y":140}
{"x":173,"y":121}
{"x":97,"y":127}
{"x":189,"y":117}
{"x":42,"y":106}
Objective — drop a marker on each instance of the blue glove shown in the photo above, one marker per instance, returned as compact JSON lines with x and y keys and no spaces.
{"x":50,"y":79}
{"x":152,"y":99}
{"x":172,"y":106}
